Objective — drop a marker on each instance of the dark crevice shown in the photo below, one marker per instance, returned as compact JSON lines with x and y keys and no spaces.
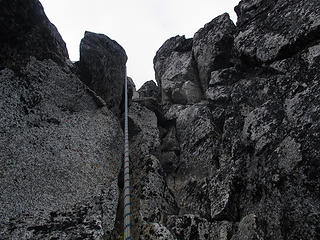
{"x":196,"y":74}
{"x":301,"y":44}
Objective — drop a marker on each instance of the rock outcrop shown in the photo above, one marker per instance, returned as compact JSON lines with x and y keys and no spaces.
{"x":212,"y":47}
{"x":149,"y":90}
{"x":60,"y":146}
{"x":175,"y":72}
{"x":242,"y":160}
{"x":151,"y":199}
{"x":225,"y":146}
{"x":26,"y":31}
{"x":102,"y":67}
{"x":275,"y":30}
{"x":54,"y":161}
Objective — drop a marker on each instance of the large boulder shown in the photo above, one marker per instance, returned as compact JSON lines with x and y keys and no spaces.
{"x":102,"y":68}
{"x":212,"y":47}
{"x":149,"y":90}
{"x":26,"y":31}
{"x":175,"y":72}
{"x":271,"y":30}
{"x":149,"y":96}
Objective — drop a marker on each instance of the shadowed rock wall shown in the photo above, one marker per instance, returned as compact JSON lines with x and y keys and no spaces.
{"x":26,"y":31}
{"x":226,"y":147}
{"x":102,"y":67}
{"x":60,"y":146}
{"x":242,"y":159}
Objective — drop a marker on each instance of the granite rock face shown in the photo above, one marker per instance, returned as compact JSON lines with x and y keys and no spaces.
{"x":151,"y":199}
{"x":225,"y":147}
{"x":149,"y":96}
{"x":273,"y":30}
{"x":243,"y":162}
{"x":60,"y":146}
{"x":53,"y":154}
{"x":26,"y":31}
{"x":149,"y":90}
{"x":197,"y":139}
{"x":175,"y":72}
{"x":102,"y":68}
{"x":132,"y":91}
{"x":212,"y":47}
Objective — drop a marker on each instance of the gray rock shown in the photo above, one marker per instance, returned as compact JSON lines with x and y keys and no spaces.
{"x":152,"y":104}
{"x":59,"y":152}
{"x":212,"y":47}
{"x":270,"y":30}
{"x":197,"y":138}
{"x":173,"y":112}
{"x":149,"y":90}
{"x":248,"y":229}
{"x":155,"y":231}
{"x":218,"y":94}
{"x":193,"y":198}
{"x":132,"y":91}
{"x":241,"y":164}
{"x":313,"y":55}
{"x":258,"y":132}
{"x":92,"y":219}
{"x":102,"y":68}
{"x":227,"y":76}
{"x":259,"y":126}
{"x":174,"y":44}
{"x":26,"y":31}
{"x":175,"y":73}
{"x":169,"y":141}
{"x":151,"y":199}
{"x":169,"y":161}
{"x":212,"y":198}
{"x":149,"y":96}
{"x":289,"y":154}
{"x":222,"y":195}
{"x":194,"y":227}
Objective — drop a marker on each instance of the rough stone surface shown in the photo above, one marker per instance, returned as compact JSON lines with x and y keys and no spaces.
{"x":26,"y":31}
{"x":149,"y":90}
{"x":132,"y":91}
{"x":58,"y":149}
{"x":102,"y":68}
{"x":248,"y":229}
{"x":276,"y":29}
{"x":175,"y":72}
{"x":92,"y":219}
{"x":197,"y":138}
{"x":212,"y":47}
{"x":194,"y":227}
{"x":248,"y":156}
{"x":151,"y":198}
{"x":226,"y":76}
{"x":241,"y":162}
{"x":60,"y":146}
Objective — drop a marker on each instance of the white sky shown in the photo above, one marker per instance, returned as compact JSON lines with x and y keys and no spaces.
{"x":139,"y":26}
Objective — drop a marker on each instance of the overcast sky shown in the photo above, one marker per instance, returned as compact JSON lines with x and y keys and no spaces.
{"x":139,"y":26}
